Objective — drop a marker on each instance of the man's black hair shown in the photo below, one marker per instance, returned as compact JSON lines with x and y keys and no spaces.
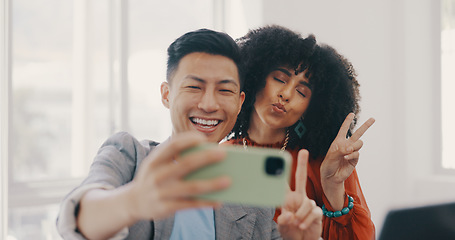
{"x":205,"y":41}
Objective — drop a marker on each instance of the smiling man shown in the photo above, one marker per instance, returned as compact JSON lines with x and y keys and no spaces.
{"x":204,"y":95}
{"x":136,"y":190}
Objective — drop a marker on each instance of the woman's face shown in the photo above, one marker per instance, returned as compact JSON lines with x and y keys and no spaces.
{"x":284,"y":99}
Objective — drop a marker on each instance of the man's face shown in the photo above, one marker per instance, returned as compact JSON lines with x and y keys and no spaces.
{"x":204,"y":95}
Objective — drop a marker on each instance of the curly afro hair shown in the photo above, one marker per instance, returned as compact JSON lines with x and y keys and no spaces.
{"x":335,"y":94}
{"x":335,"y":90}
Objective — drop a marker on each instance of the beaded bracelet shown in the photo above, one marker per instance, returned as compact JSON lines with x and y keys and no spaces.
{"x":344,"y":211}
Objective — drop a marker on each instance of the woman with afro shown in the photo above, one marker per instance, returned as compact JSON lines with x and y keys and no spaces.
{"x":304,"y":95}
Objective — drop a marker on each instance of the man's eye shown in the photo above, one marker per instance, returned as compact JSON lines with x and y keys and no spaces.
{"x":226,"y":91}
{"x":193,"y":87}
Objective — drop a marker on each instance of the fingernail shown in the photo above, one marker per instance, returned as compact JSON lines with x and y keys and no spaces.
{"x":303,"y":226}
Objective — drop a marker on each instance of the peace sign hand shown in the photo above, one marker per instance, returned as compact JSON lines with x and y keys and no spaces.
{"x":342,"y":158}
{"x":300,"y":217}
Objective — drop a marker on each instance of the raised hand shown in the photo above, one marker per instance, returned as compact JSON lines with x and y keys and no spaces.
{"x":300,"y":217}
{"x":341,"y":159}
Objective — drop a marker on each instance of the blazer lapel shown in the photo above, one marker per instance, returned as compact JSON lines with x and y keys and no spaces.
{"x":163,"y":228}
{"x":234,"y":222}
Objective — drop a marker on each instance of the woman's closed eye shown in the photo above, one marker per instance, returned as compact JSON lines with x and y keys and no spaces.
{"x":279,"y":80}
{"x":301,"y":93}
{"x":303,"y":90}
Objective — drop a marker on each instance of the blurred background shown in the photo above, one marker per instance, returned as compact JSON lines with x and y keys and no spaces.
{"x":74,"y":72}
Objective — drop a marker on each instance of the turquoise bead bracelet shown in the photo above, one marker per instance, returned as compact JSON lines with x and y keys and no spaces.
{"x":343,"y":211}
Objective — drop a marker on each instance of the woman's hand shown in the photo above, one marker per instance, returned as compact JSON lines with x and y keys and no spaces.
{"x":341,"y":160}
{"x":300,"y":217}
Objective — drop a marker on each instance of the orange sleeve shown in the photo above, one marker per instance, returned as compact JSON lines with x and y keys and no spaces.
{"x":357,"y":223}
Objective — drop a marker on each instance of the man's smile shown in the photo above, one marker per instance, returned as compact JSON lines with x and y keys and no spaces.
{"x":205,"y":123}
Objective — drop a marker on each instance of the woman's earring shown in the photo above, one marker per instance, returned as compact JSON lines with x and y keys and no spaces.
{"x":300,"y":129}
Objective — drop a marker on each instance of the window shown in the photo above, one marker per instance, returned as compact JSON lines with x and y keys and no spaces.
{"x":80,"y":71}
{"x":58,"y":106}
{"x":447,"y":83}
{"x":41,"y":90}
{"x":148,"y":44}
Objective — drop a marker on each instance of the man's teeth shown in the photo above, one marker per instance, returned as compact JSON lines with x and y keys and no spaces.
{"x":205,"y":122}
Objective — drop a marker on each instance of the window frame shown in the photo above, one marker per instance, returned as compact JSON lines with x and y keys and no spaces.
{"x":5,"y":89}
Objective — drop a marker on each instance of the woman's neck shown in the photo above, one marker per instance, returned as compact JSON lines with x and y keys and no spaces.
{"x":260,"y":132}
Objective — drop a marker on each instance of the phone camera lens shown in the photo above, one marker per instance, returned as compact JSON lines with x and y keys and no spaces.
{"x":274,"y":165}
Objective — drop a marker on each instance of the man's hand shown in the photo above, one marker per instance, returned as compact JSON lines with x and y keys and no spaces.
{"x":157,"y":191}
{"x":300,"y":217}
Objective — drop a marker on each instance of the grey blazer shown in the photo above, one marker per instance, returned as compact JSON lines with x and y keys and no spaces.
{"x":233,"y":222}
{"x":116,"y":164}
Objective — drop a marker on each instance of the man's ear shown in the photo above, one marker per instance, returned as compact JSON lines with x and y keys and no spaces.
{"x":242,"y":99}
{"x":165,"y":94}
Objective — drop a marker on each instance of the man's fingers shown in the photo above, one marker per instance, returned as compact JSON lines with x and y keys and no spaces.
{"x":345,"y":126}
{"x":188,"y":164}
{"x":301,"y":172}
{"x":192,"y":188}
{"x":170,"y":149}
{"x":362,"y":129}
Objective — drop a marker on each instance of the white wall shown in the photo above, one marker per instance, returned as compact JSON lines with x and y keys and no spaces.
{"x":394,"y":46}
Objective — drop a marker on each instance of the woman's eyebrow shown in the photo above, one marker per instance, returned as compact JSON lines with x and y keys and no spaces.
{"x":283,"y":71}
{"x":307,"y":84}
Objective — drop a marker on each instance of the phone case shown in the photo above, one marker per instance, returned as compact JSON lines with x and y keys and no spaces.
{"x":259,"y":175}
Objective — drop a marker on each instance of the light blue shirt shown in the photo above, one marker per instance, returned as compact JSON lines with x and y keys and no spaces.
{"x":197,"y":223}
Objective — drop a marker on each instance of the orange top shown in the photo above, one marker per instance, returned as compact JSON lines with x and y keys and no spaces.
{"x":356,"y":224}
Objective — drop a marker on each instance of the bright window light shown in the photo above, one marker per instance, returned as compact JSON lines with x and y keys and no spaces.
{"x":448,"y":83}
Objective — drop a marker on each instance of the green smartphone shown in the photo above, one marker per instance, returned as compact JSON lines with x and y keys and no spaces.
{"x":259,"y":175}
